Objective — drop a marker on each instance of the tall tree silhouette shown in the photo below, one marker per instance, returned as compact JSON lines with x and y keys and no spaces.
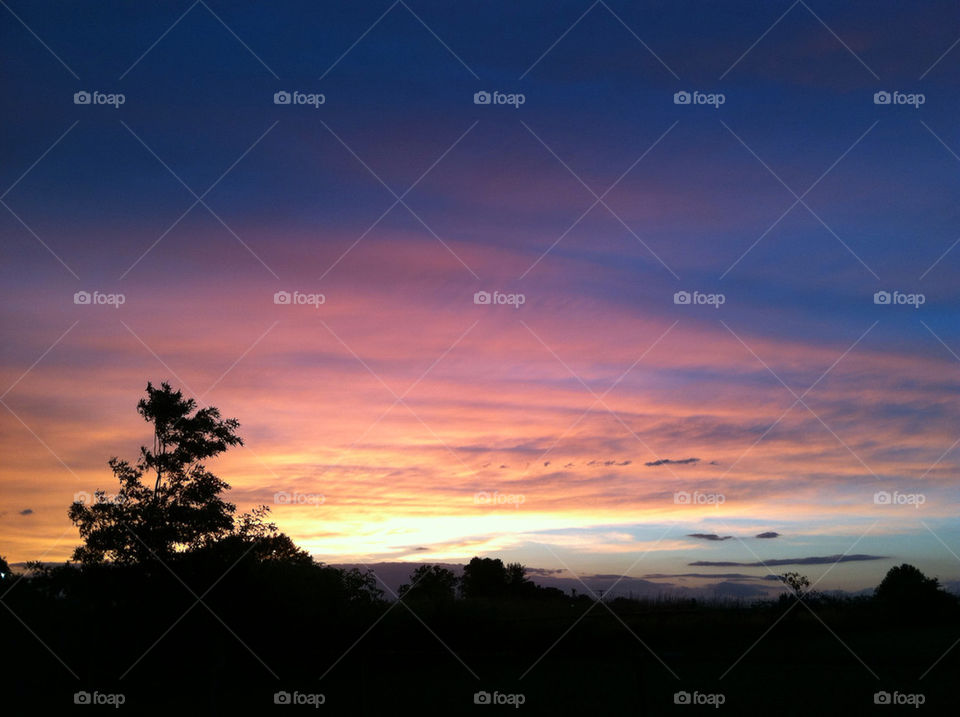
{"x":183,"y":510}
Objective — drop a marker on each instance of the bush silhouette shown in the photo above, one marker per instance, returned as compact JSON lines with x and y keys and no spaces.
{"x":907,"y":592}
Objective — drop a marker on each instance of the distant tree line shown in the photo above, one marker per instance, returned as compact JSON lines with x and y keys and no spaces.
{"x":482,"y":578}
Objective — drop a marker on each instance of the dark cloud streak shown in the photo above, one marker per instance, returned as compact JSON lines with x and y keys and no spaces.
{"x":819,"y":560}
{"x":671,"y":462}
{"x":708,"y":536}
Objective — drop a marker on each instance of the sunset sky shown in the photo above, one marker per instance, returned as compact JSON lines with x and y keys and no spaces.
{"x":407,"y":422}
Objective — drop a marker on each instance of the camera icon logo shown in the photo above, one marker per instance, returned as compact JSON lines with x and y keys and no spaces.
{"x":481,"y":98}
{"x":881,"y":98}
{"x":681,"y":497}
{"x":281,"y":698}
{"x":681,"y":297}
{"x":481,"y":698}
{"x":481,"y":297}
{"x":882,"y":497}
{"x":681,"y":698}
{"x":81,"y":698}
{"x":81,"y":297}
{"x":81,"y":496}
{"x":681,"y":98}
{"x":281,"y":297}
{"x":881,"y":297}
{"x":281,"y":98}
{"x":881,"y":698}
{"x":81,"y":98}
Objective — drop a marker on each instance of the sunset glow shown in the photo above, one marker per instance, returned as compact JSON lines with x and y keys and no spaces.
{"x":400,"y":419}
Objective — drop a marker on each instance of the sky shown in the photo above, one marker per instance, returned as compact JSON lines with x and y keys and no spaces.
{"x":452,"y":328}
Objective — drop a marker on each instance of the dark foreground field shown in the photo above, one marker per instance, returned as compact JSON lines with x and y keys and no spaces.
{"x":264,"y":633}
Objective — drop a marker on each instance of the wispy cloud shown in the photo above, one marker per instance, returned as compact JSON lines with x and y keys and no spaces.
{"x":820,"y":560}
{"x":671,"y":462}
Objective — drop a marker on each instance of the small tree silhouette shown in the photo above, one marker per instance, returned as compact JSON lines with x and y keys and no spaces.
{"x":489,"y":578}
{"x":518,"y":585}
{"x":430,"y":582}
{"x":483,"y":578}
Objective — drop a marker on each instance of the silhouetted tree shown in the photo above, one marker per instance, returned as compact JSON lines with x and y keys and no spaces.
{"x":430,"y":582}
{"x":255,"y":539}
{"x":4,"y":568}
{"x":361,"y":586}
{"x":517,"y":582}
{"x":183,"y":509}
{"x":489,"y":578}
{"x":483,"y":578}
{"x":906,"y":590}
{"x":180,"y":439}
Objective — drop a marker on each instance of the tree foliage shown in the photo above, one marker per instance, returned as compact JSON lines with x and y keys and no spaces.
{"x":430,"y":582}
{"x":168,"y":503}
{"x":490,"y":578}
{"x":906,"y":590}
